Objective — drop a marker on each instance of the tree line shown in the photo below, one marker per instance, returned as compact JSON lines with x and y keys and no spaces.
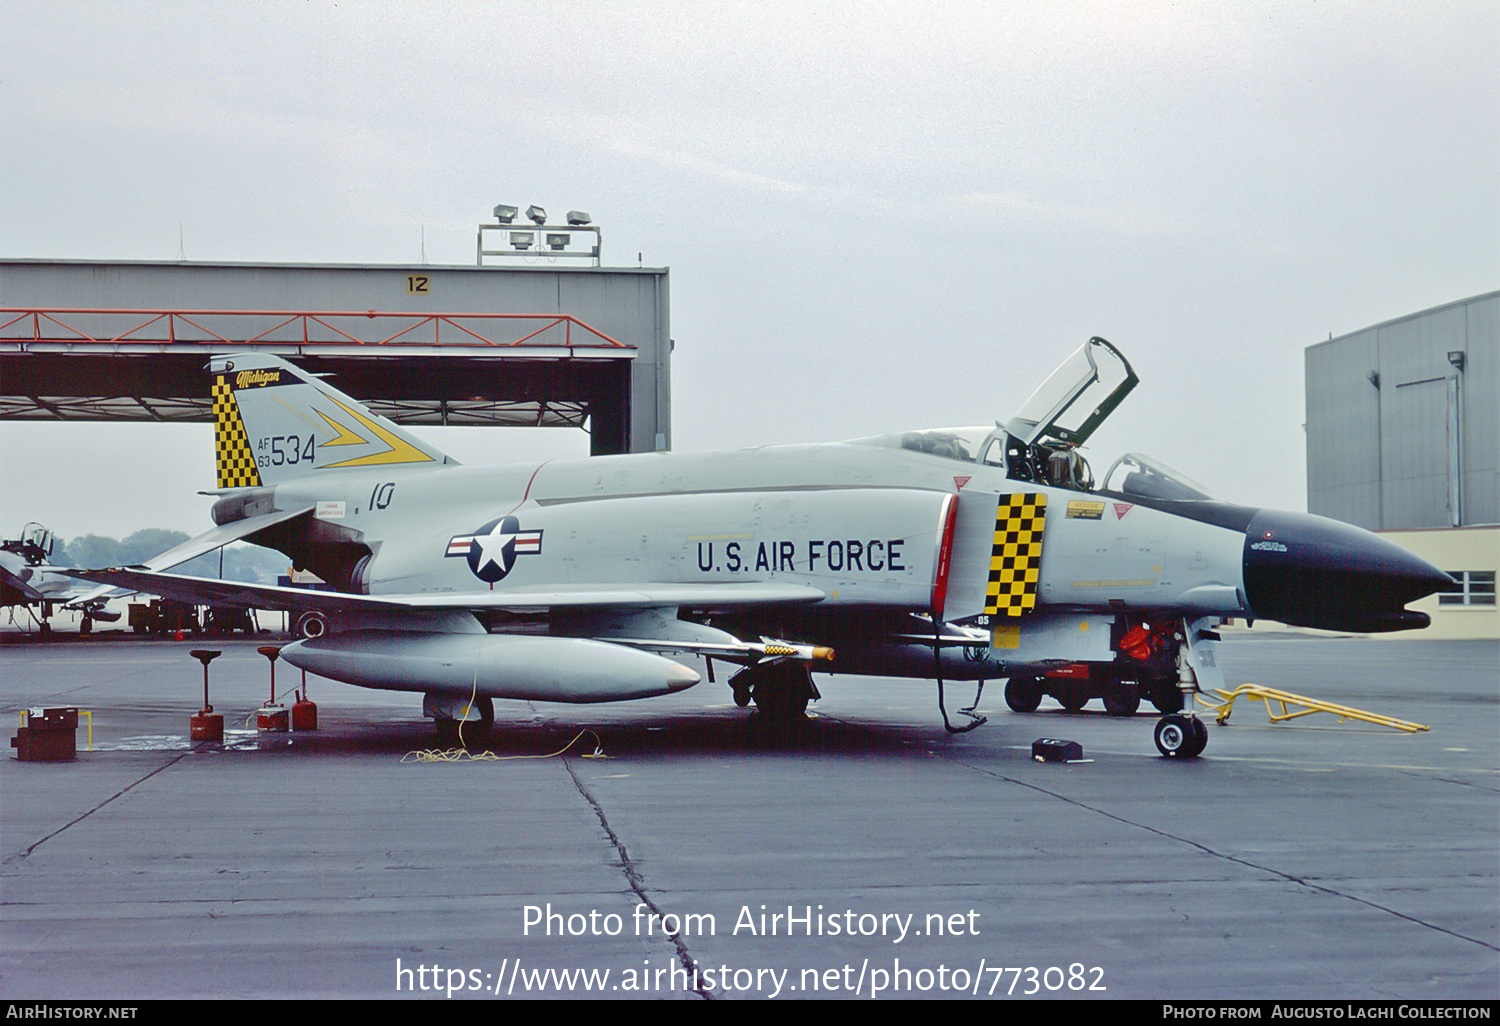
{"x":240,"y":562}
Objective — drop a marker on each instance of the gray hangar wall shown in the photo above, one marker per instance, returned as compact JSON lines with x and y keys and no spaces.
{"x":1392,"y":420}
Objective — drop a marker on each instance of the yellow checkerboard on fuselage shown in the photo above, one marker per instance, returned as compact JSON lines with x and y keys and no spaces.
{"x":1016,"y":558}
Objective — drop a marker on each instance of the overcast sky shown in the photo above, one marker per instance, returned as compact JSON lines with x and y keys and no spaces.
{"x":877,"y":216}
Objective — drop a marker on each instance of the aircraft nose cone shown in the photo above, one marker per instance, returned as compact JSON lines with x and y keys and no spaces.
{"x":1311,"y":571}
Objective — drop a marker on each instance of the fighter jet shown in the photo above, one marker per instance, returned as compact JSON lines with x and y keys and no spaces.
{"x":26,"y":580}
{"x":971,"y":554}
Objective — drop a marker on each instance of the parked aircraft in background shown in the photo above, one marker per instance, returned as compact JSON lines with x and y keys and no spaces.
{"x":969,"y":553}
{"x":27,"y":581}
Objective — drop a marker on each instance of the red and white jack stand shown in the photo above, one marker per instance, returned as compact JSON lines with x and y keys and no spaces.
{"x":207,"y":725}
{"x":272,"y":718}
{"x":304,"y":710}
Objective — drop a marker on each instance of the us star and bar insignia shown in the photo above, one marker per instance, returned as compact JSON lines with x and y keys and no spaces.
{"x":491,"y":551}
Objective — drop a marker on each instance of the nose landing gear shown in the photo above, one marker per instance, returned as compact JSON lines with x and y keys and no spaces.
{"x":1180,"y":736}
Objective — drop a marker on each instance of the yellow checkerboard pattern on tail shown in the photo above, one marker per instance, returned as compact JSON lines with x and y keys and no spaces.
{"x":231,"y":447}
{"x":1016,"y":559}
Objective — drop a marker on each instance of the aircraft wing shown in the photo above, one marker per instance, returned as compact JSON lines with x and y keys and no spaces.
{"x":192,"y":549}
{"x":645,"y":595}
{"x":220,"y":536}
{"x":264,"y":596}
{"x":15,"y":591}
{"x":21,"y":584}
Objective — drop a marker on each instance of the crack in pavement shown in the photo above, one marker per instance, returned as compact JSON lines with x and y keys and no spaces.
{"x":1290,"y":877}
{"x":637,"y":883}
{"x":25,"y":852}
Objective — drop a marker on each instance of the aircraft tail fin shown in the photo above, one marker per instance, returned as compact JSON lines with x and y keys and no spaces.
{"x":274,"y":421}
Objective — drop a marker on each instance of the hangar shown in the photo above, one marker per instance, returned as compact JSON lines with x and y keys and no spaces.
{"x":582,"y":347}
{"x":1403,"y":438}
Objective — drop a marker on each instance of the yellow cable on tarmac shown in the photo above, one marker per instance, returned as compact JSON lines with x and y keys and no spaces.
{"x":463,"y":754}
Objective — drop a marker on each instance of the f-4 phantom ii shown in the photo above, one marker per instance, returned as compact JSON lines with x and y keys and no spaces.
{"x":958,"y":554}
{"x":26,"y":580}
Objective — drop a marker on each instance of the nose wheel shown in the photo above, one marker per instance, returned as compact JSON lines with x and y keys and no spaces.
{"x":1180,"y":736}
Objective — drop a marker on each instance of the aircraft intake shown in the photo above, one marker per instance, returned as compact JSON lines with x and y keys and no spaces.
{"x":1310,"y":571}
{"x":499,"y":665}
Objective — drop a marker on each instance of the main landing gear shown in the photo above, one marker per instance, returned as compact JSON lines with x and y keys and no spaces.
{"x":456,"y":719}
{"x":780,"y":691}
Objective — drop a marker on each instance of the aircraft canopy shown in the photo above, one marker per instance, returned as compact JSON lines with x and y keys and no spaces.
{"x":1077,"y":397}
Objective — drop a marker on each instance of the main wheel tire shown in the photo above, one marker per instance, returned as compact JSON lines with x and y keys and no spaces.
{"x":484,"y":705}
{"x":1023,"y":694}
{"x":310,"y":625}
{"x":1200,"y":735}
{"x":1121,"y":697}
{"x":1180,"y":737}
{"x":782,"y":691}
{"x":742,"y":685}
{"x":453,"y":731}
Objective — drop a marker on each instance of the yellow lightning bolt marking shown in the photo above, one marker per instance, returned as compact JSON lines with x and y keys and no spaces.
{"x":399,"y":451}
{"x":346,"y":437}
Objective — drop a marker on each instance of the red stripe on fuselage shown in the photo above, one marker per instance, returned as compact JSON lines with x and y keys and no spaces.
{"x":945,"y":555}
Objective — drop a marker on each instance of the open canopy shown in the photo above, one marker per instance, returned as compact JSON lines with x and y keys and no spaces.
{"x":1077,"y":397}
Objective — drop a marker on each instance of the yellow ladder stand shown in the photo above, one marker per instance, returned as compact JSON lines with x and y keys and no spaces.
{"x":1308,"y":706}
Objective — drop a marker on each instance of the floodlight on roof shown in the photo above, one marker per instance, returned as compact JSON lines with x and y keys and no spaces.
{"x":530,"y":241}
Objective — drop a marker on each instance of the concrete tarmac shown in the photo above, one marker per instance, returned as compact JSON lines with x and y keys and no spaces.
{"x":865,"y":853}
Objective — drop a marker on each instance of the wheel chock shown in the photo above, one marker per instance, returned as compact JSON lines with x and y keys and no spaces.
{"x":1051,"y":749}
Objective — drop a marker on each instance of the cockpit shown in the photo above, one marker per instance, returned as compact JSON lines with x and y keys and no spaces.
{"x":1040,"y":443}
{"x":35,"y":544}
{"x":962,"y":444}
{"x":1144,"y":478}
